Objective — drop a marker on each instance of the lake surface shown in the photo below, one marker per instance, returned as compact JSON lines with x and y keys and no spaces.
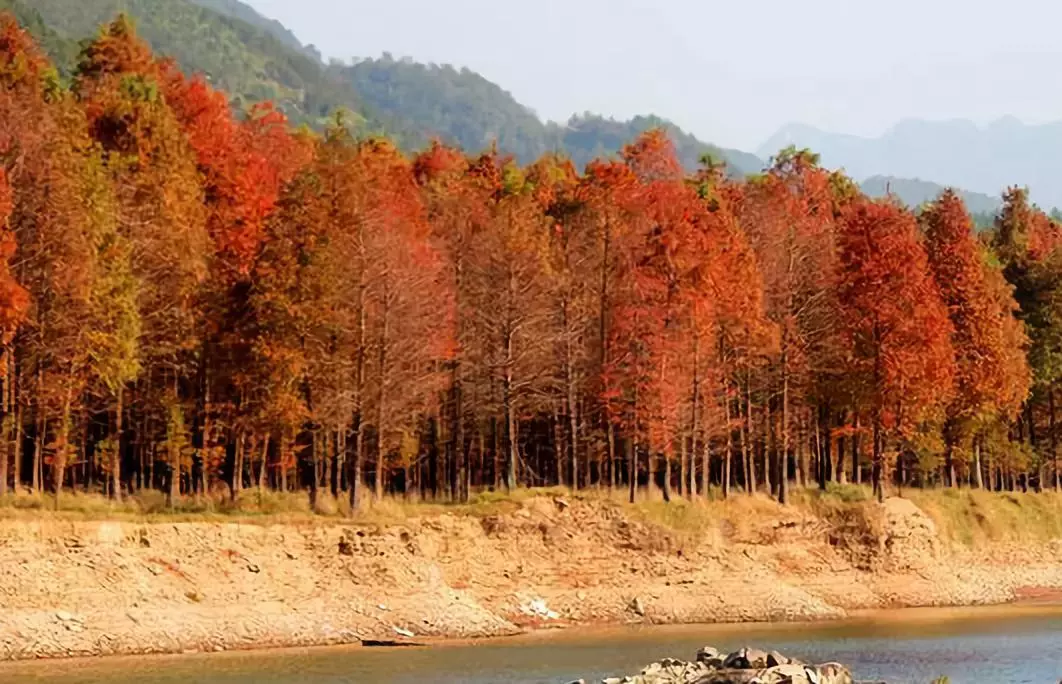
{"x":970,"y":647}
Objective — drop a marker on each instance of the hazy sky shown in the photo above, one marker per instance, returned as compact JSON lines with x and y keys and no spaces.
{"x":730,"y":71}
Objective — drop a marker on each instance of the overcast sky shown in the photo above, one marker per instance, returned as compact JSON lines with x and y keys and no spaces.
{"x":730,"y":71}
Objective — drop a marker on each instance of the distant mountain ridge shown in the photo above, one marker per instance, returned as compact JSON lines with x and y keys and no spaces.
{"x":244,"y":12}
{"x":914,"y":193}
{"x":463,"y":108}
{"x":959,"y":153}
{"x":256,"y":58}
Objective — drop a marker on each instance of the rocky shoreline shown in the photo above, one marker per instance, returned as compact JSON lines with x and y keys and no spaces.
{"x":744,"y":666}
{"x":88,"y":588}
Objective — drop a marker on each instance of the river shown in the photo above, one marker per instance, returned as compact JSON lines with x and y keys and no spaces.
{"x":902,"y":647}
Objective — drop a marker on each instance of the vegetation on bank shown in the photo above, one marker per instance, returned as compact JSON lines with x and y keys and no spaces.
{"x":967,"y":518}
{"x":193,"y":301}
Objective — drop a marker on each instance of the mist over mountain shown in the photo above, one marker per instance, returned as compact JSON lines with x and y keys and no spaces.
{"x":915,"y":192}
{"x":958,"y":153}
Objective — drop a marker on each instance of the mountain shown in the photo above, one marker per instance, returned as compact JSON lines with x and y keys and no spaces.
{"x":984,"y":159}
{"x":462,"y":107}
{"x":914,"y":193}
{"x":255,"y":58}
{"x":244,"y":12}
{"x":250,"y":62}
{"x":588,"y":136}
{"x":459,"y":106}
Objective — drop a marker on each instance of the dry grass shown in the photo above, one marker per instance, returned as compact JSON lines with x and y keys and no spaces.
{"x":974,"y":517}
{"x":969,"y":517}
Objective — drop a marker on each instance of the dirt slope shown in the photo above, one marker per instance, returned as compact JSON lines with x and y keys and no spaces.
{"x":90,"y":588}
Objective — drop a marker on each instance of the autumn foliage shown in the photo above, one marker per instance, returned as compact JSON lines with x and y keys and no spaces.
{"x":196,"y":299}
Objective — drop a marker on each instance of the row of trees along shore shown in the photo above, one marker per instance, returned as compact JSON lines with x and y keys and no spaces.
{"x":194,"y":301}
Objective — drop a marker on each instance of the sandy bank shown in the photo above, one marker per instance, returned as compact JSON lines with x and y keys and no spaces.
{"x":104,"y":588}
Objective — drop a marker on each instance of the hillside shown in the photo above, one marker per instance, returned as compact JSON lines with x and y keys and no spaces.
{"x":463,"y":108}
{"x":251,"y":64}
{"x":914,"y":193}
{"x":458,"y":106}
{"x":587,"y":137}
{"x":239,"y":10}
{"x":255,"y":58}
{"x":983,"y":159}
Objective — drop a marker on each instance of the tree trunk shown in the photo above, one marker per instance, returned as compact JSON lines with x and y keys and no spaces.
{"x":706,"y":462}
{"x":511,"y":451}
{"x":263,"y":462}
{"x":62,"y":442}
{"x":560,"y":449}
{"x":728,"y":455}
{"x":632,"y":466}
{"x":857,"y":467}
{"x":667,"y":475}
{"x":569,"y":388}
{"x":457,"y":428}
{"x":683,"y":467}
{"x":611,"y":436}
{"x":691,"y":487}
{"x":746,"y":437}
{"x":878,"y":464}
{"x":381,"y":409}
{"x":770,"y":450}
{"x":354,"y":477}
{"x":573,"y":434}
{"x":978,"y":479}
{"x":783,"y":474}
{"x":5,"y":421}
{"x":38,"y":442}
{"x":1054,"y":439}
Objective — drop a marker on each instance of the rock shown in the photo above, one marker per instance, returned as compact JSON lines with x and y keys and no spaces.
{"x":746,"y":659}
{"x":345,"y":547}
{"x":775,"y":658}
{"x":538,"y":608}
{"x":745,"y":666}
{"x":64,"y":616}
{"x":785,"y":674}
{"x":253,"y":568}
{"x":403,"y":632}
{"x":834,"y":673}
{"x":707,"y":653}
{"x":637,"y":607}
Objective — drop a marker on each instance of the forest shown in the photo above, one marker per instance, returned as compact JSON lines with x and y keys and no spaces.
{"x":194,"y":300}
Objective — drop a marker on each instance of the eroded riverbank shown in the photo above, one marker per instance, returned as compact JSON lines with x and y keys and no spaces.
{"x":80,"y":588}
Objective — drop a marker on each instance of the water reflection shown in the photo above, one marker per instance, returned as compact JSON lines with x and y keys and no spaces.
{"x":970,"y":647}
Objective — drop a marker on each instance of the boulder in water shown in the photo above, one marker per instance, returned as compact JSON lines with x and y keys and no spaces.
{"x":744,"y":666}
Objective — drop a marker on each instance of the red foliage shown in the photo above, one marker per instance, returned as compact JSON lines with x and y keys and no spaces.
{"x":14,"y":299}
{"x":902,"y":363}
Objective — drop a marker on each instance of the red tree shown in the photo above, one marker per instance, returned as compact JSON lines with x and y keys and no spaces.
{"x":902,"y":362}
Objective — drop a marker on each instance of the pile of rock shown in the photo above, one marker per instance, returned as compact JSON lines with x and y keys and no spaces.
{"x":744,"y":666}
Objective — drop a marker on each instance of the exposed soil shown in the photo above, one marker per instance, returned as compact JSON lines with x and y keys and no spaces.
{"x":100,"y":588}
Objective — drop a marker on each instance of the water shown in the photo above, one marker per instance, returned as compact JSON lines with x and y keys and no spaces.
{"x":970,"y":647}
